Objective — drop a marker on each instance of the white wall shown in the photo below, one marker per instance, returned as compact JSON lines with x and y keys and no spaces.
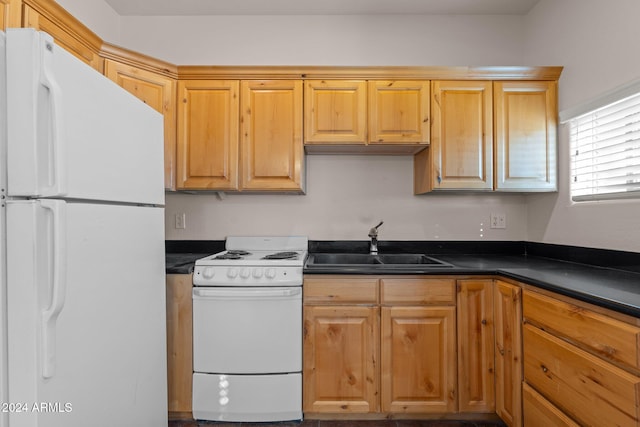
{"x":97,"y":15}
{"x":597,"y":43}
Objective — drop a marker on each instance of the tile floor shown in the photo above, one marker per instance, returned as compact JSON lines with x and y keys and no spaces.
{"x":344,"y":423}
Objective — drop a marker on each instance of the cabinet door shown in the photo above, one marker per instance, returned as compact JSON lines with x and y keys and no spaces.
{"x":157,"y":91}
{"x":208,"y":122}
{"x":10,"y":14}
{"x":341,"y":347}
{"x":475,"y":346}
{"x":74,"y":37}
{"x":179,"y":344}
{"x":418,"y":359}
{"x":272,"y":150}
{"x":508,"y":318}
{"x":526,"y":128}
{"x":399,"y":112}
{"x":335,"y":112}
{"x":461,"y":147}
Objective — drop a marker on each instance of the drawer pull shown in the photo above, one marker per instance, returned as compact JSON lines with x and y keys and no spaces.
{"x":544,"y":369}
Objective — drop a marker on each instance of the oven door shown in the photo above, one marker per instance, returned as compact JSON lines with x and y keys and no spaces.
{"x":247,"y":330}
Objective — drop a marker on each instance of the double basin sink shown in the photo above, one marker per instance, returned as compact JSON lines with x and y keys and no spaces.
{"x":375,"y":261}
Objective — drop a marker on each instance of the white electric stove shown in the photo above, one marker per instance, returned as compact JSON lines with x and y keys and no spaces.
{"x":247,"y":331}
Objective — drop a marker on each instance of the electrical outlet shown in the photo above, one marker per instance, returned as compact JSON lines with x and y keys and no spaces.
{"x":181,"y":221}
{"x":498,"y":220}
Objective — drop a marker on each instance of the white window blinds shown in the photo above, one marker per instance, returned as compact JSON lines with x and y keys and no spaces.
{"x":605,"y":152}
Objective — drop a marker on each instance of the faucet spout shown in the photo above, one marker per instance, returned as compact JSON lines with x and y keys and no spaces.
{"x":373,"y":235}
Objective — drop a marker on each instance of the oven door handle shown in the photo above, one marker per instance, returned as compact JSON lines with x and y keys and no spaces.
{"x":247,"y":293}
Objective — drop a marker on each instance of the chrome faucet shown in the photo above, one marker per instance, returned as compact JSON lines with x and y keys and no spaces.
{"x":373,"y":235}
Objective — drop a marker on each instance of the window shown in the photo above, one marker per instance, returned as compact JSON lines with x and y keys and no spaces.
{"x":605,"y":152}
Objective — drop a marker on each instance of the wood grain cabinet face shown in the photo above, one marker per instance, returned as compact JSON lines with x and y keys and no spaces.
{"x":399,"y":112}
{"x":335,"y":112}
{"x":539,"y":412}
{"x":418,"y":360}
{"x":10,"y":14}
{"x":271,"y":140}
{"x":461,"y":147}
{"x":476,"y":370}
{"x":208,"y":123}
{"x":157,"y":91}
{"x":526,"y":129}
{"x":179,"y":344}
{"x":508,"y":319}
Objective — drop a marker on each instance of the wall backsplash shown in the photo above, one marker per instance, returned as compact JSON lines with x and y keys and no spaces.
{"x":347,"y":195}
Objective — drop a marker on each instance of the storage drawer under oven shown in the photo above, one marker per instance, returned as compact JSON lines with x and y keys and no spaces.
{"x":247,"y":330}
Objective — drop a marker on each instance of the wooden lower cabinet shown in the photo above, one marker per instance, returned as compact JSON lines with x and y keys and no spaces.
{"x":539,"y":412}
{"x":508,"y":319}
{"x":341,"y":348}
{"x":179,"y":344}
{"x":418,"y":367}
{"x":476,"y":366}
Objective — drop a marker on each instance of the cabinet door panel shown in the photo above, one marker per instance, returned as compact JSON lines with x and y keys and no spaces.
{"x":272,"y":150}
{"x":10,"y":14}
{"x":399,"y":112}
{"x":208,"y":121}
{"x":462,"y":135}
{"x":526,"y":128}
{"x":418,"y":359}
{"x":340,"y":358}
{"x":157,"y":91}
{"x":335,"y":112}
{"x":508,"y":315}
{"x":476,"y":346}
{"x":539,"y":412}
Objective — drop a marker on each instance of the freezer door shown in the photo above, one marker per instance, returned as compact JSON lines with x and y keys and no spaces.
{"x":73,"y":133}
{"x":86,"y":315}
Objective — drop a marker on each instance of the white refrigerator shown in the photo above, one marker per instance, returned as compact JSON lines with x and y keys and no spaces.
{"x":82,"y":301}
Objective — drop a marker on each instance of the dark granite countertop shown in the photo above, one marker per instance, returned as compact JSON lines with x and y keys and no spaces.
{"x":610,"y":279}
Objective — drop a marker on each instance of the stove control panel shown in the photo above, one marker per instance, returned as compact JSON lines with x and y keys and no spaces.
{"x":247,"y":276}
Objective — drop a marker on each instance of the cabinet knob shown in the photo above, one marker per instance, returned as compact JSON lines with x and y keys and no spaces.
{"x":544,"y":369}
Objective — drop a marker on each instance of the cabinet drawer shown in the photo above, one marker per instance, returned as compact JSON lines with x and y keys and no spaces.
{"x":417,"y":291}
{"x":539,"y":412}
{"x":584,"y":386}
{"x":605,"y":336}
{"x":350,"y":290}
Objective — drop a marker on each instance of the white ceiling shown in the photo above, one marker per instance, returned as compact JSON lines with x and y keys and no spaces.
{"x":319,"y":7}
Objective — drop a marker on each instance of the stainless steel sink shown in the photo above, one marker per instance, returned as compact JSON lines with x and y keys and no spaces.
{"x":380,"y":261}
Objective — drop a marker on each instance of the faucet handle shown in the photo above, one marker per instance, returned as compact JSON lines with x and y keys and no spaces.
{"x":373,"y":232}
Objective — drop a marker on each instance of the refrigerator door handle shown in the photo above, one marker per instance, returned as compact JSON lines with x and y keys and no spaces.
{"x":58,"y":291}
{"x":59,"y":186}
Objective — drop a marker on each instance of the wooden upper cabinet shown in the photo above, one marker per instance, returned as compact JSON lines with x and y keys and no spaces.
{"x":157,"y":91}
{"x":272,"y":155}
{"x":10,"y":14}
{"x":460,"y":155}
{"x":208,"y":123}
{"x":335,"y":112}
{"x":526,"y":129}
{"x":398,"y":112}
{"x":66,"y":31}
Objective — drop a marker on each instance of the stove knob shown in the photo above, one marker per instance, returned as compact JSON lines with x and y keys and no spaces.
{"x":245,"y":273}
{"x":208,"y":273}
{"x":232,"y":273}
{"x":270,"y":273}
{"x":257,"y":273}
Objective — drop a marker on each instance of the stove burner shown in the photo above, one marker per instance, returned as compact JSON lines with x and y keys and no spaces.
{"x":281,"y":255}
{"x":233,"y":254}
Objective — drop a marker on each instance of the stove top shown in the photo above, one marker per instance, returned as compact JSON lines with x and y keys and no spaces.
{"x":260,"y":251}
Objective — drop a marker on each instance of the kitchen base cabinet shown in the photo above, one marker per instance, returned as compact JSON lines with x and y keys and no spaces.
{"x":179,"y":345}
{"x":539,"y":412}
{"x":476,"y":369}
{"x":418,"y":360}
{"x":508,"y":339}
